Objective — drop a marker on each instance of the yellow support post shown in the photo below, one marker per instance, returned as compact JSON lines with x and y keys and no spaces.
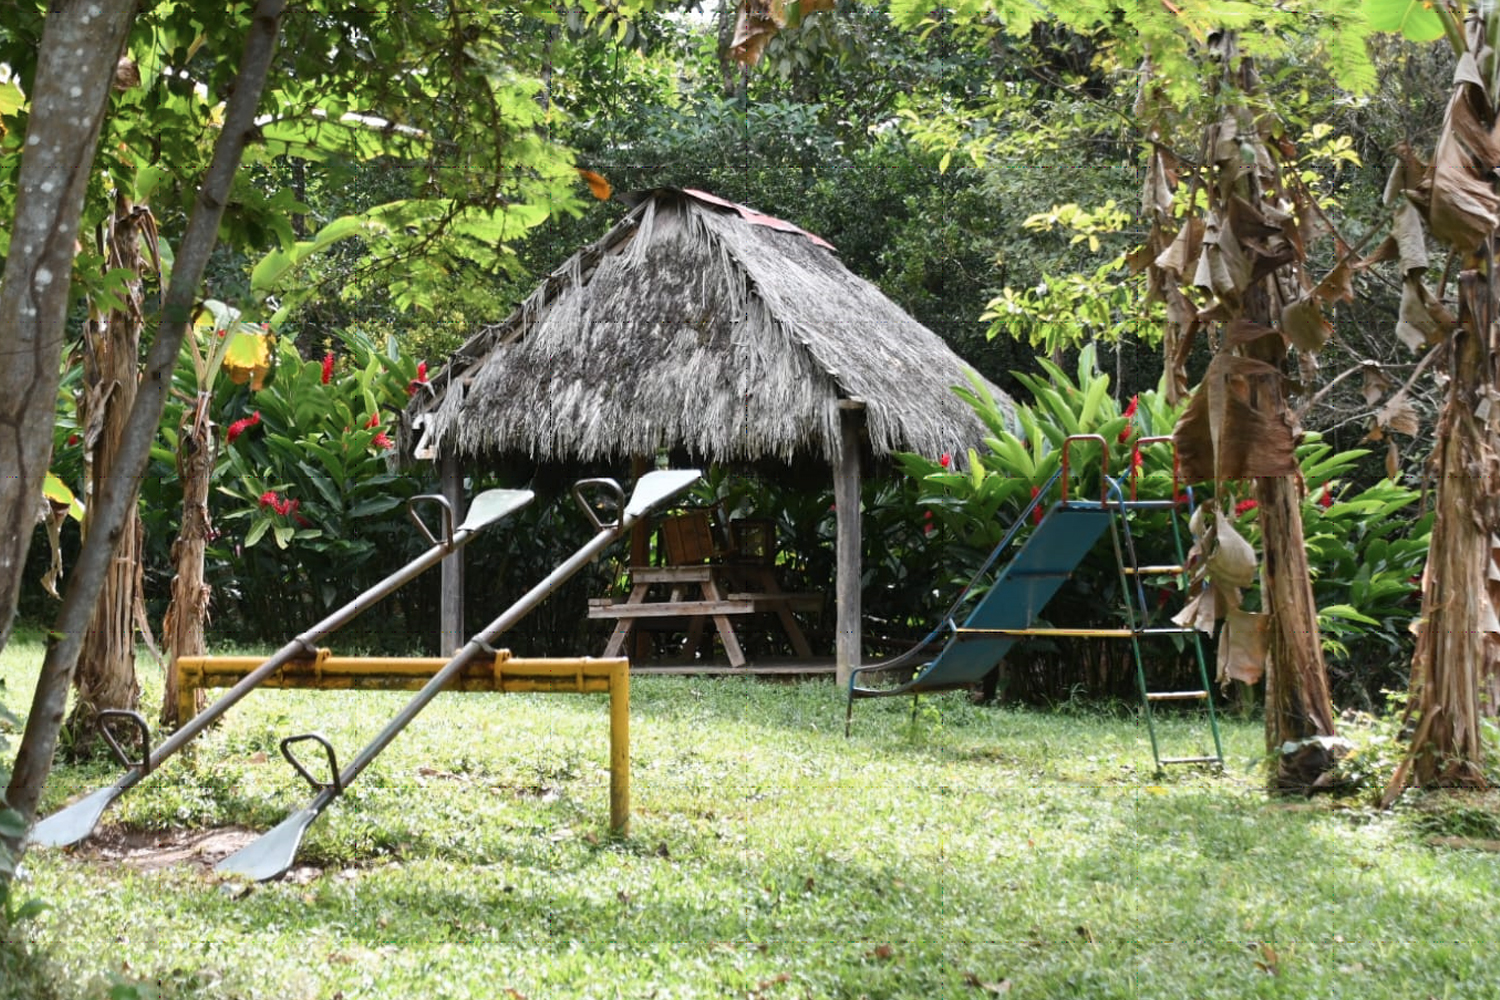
{"x":619,"y":748}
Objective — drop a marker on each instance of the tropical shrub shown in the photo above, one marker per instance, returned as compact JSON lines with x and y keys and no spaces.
{"x":306,"y":511}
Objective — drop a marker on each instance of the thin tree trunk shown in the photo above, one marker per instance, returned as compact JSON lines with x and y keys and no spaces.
{"x":188,"y":609}
{"x":105,"y":677}
{"x":68,"y":100}
{"x":1298,"y":706}
{"x":34,"y":758}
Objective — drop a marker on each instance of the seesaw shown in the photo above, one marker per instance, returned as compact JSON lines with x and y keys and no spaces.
{"x":273,"y":853}
{"x":77,"y":821}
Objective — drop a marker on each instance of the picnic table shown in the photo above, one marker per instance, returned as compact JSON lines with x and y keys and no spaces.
{"x":701,"y":585}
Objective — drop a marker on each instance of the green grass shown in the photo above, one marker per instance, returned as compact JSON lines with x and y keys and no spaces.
{"x":982,"y":852}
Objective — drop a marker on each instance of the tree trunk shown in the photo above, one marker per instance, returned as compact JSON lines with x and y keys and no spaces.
{"x":1457,"y":658}
{"x":68,"y":98}
{"x":105,"y":678}
{"x":188,"y":610}
{"x":44,"y":722}
{"x":1298,"y":707}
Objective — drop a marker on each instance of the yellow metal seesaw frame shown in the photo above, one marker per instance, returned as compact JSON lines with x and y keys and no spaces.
{"x":503,"y":673}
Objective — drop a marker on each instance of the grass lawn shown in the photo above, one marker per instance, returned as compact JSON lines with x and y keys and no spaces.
{"x":982,"y":852}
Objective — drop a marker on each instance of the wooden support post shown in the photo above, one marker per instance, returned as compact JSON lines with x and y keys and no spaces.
{"x":451,"y":634}
{"x":640,"y":555}
{"x":848,"y":544}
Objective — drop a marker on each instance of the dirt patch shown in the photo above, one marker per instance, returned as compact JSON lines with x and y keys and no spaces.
{"x":153,"y":850}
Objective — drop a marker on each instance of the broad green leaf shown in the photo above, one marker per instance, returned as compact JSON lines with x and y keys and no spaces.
{"x":257,"y":530}
{"x":1414,"y":20}
{"x":11,"y":98}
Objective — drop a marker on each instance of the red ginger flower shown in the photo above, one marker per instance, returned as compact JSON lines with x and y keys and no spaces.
{"x":411,"y":387}
{"x":1243,"y":506}
{"x":946,"y":461}
{"x":269,"y":499}
{"x":1129,"y":414}
{"x":327,"y":367}
{"x":1326,"y":500}
{"x":374,"y":420}
{"x":240,"y":426}
{"x":382,"y":441}
{"x":1036,"y":514}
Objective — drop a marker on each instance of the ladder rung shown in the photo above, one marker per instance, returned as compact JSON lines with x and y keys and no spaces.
{"x":1176,"y":695}
{"x":1190,"y":760}
{"x":1154,"y":570}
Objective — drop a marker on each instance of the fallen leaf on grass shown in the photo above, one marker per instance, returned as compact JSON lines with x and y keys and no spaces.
{"x":1003,"y":986}
{"x":884,"y":952}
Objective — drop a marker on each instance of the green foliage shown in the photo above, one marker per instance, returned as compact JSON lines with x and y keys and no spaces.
{"x":310,"y":514}
{"x":1366,"y":552}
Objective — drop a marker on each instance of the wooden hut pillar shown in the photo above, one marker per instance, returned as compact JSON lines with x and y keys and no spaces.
{"x":451,"y":633}
{"x":847,"y":549}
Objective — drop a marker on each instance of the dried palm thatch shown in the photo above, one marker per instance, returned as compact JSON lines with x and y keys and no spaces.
{"x":700,"y":325}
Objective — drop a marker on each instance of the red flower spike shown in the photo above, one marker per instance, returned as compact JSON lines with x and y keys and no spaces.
{"x":383,"y":442}
{"x":414,"y":384}
{"x":269,"y":499}
{"x":1036,"y":514}
{"x":240,"y":426}
{"x":327,"y":367}
{"x":72,"y":439}
{"x":1136,"y":461}
{"x":1326,"y":500}
{"x":927,"y":525}
{"x":946,"y":461}
{"x":1129,"y":415}
{"x":374,"y":420}
{"x":1244,"y":506}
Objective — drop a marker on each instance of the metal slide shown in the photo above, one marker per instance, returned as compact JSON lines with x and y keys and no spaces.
{"x":273,"y":853}
{"x":77,"y":821}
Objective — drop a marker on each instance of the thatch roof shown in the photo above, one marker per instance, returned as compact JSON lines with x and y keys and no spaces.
{"x":701,"y":325}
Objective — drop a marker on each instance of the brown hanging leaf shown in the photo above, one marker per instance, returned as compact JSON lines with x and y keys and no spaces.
{"x":1304,"y":324}
{"x":1231,"y":559}
{"x":759,"y":21}
{"x":1399,"y":415}
{"x":1392,"y":460}
{"x":1223,"y":269}
{"x":1337,"y":285}
{"x":1374,"y":382}
{"x":1422,"y":320}
{"x":1184,"y":249}
{"x":1236,"y":426}
{"x":1243,"y":646}
{"x":1458,"y":191}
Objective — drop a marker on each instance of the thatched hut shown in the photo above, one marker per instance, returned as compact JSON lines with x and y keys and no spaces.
{"x":701,"y":326}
